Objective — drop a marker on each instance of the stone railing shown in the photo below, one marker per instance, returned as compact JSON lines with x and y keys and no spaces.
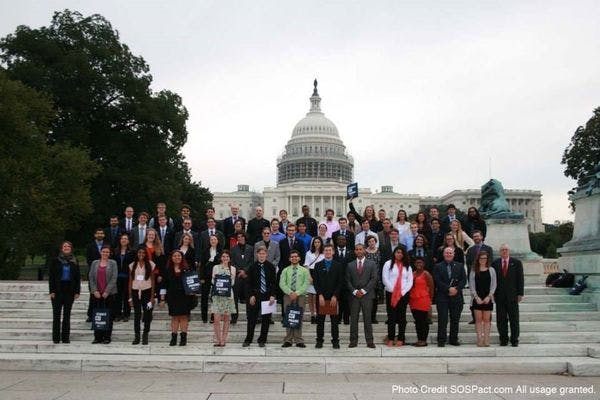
{"x":550,"y":265}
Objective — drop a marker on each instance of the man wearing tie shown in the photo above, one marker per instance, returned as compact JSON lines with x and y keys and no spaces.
{"x":113,"y":232}
{"x":344,"y":231}
{"x":294,"y":284}
{"x":450,"y":279}
{"x":451,"y":216}
{"x":262,"y":284}
{"x":509,"y":293}
{"x":211,"y":224}
{"x":166,"y":235}
{"x":138,"y":233}
{"x":127,"y":223}
{"x":343,"y":255}
{"x":328,"y":279}
{"x":229,"y":222}
{"x":361,"y":280}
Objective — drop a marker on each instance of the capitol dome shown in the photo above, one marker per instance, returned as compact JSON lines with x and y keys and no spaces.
{"x":315,"y":153}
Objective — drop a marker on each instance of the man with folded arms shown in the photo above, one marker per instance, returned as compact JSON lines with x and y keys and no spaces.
{"x":328,"y":279}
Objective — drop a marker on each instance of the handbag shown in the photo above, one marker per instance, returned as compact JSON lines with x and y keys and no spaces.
{"x":191,"y":282}
{"x":293,"y":316}
{"x":101,"y":318}
{"x":222,"y":286}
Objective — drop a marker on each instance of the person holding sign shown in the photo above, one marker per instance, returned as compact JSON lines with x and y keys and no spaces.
{"x":177,"y":297}
{"x":328,"y":280}
{"x":103,"y":287}
{"x":294,"y":284}
{"x":141,"y":293}
{"x":262,"y":288}
{"x":222,"y":305}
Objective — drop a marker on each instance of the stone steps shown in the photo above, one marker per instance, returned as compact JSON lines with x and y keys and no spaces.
{"x":559,"y":334}
{"x":163,"y":325}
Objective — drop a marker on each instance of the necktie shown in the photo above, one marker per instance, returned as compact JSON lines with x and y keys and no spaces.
{"x":162,"y":234}
{"x":142,"y":235}
{"x":114,"y":232}
{"x":211,"y":232}
{"x":263,"y":279}
{"x":294,"y":277}
{"x":420,"y":253}
{"x":360,"y":267}
{"x":343,"y":253}
{"x":291,"y":243}
{"x":128,"y":225}
{"x":449,"y":268}
{"x":504,"y":268}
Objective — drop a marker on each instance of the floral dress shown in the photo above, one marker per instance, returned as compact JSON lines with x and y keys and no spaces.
{"x":222,"y":304}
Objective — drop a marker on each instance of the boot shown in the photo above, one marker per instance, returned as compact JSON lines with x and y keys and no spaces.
{"x":173,"y":341}
{"x":145,"y":337}
{"x":136,"y":340}
{"x":183,"y":339}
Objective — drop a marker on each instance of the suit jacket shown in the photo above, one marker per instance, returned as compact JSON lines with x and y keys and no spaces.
{"x":383,"y":237}
{"x":445,"y":223}
{"x":253,"y":282}
{"x":472,"y":253}
{"x":311,"y":225}
{"x":203,"y":226}
{"x":168,"y":241}
{"x":386,"y":251}
{"x":513,"y":285}
{"x":111,"y":276}
{"x":284,"y":252}
{"x":228,"y":223}
{"x":273,"y":253}
{"x":55,"y":274}
{"x":206,"y":266}
{"x":367,"y":280}
{"x":123,"y":226}
{"x":92,"y":253}
{"x":427,"y":256}
{"x":443,"y":282}
{"x":204,"y":242}
{"x":134,"y":236}
{"x":254,"y":231}
{"x":113,"y":239}
{"x":329,"y":283}
{"x":349,"y":238}
{"x":242,"y":258}
{"x":435,"y":240}
{"x":197,"y":242}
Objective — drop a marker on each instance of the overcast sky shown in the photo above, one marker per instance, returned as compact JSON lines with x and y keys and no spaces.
{"x":423,"y":93}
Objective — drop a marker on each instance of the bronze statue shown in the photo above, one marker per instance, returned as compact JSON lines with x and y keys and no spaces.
{"x":493,"y":202}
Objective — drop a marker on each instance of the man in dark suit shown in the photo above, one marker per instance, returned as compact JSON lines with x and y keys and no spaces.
{"x":242,"y":256}
{"x":127,"y":223}
{"x":92,"y":253}
{"x":310,"y":222}
{"x":509,"y":293}
{"x":344,"y":231}
{"x":384,"y":235}
{"x":287,"y":245}
{"x":256,"y":226}
{"x":387,"y":249}
{"x":203,"y":225}
{"x":187,"y":228}
{"x":184,"y":213}
{"x":450,"y":279}
{"x":343,"y":255}
{"x":138,"y":233}
{"x":167,"y":236}
{"x":262,"y":284}
{"x":229,"y":222}
{"x":328,"y":280}
{"x":450,"y":216}
{"x":473,"y":251}
{"x":361,"y":280}
{"x":113,"y":232}
{"x":283,"y":221}
{"x":436,"y":237}
{"x":211,"y":230}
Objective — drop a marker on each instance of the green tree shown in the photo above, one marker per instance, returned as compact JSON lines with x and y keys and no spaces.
{"x":582,"y":155}
{"x":46,"y":187}
{"x":105,"y":104}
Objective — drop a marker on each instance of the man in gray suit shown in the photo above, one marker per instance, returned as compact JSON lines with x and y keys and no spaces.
{"x":361,"y":279}
{"x":273,"y":253}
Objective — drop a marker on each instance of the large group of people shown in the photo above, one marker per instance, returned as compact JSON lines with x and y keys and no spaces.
{"x":339,"y":267}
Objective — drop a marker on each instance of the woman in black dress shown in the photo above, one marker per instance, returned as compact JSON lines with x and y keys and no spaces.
{"x":64,"y":280}
{"x":482,"y":282}
{"x":210,"y":258}
{"x":124,"y":256}
{"x":180,"y":304}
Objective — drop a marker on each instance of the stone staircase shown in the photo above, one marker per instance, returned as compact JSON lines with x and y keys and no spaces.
{"x":559,"y":334}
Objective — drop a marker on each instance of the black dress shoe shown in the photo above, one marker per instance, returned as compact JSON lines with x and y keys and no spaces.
{"x":454,"y":343}
{"x":346,"y":322}
{"x":441,"y":344}
{"x":319,"y":345}
{"x":515,"y":344}
{"x":374,"y":321}
{"x":245,"y":344}
{"x":125,"y":319}
{"x":261,"y":344}
{"x":313,"y":320}
{"x":56,"y":341}
{"x":65,"y":341}
{"x":371,"y":345}
{"x":336,"y":345}
{"x":89,"y":319}
{"x":271,"y":322}
{"x":136,"y":341}
{"x":472,"y":322}
{"x":302,"y":345}
{"x":352,"y":345}
{"x":286,"y":344}
{"x":96,"y":341}
{"x":106,"y":341}
{"x":503,"y":344}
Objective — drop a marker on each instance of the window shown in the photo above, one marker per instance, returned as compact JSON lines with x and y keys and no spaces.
{"x":274,"y":211}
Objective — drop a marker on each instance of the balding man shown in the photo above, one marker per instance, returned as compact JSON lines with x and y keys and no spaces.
{"x":450,"y":279}
{"x":509,"y":293}
{"x":229,"y":222}
{"x":256,"y":225}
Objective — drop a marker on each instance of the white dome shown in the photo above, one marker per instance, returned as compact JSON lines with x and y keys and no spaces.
{"x":315,"y":124}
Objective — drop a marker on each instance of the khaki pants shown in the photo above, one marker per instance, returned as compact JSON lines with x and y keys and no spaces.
{"x":293,"y":335}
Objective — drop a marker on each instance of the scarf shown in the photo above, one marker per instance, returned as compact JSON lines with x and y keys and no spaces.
{"x":397,"y":293}
{"x":67,"y":258}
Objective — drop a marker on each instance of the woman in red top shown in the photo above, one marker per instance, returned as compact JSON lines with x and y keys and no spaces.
{"x":420,"y":300}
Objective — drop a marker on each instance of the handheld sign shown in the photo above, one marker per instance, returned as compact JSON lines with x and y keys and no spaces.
{"x":352,"y":191}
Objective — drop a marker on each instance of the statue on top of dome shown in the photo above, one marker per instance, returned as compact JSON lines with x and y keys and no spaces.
{"x":315,"y":93}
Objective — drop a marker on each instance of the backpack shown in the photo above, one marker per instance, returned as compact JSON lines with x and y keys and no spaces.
{"x":579,"y":286}
{"x":565,"y":280}
{"x":551,"y":278}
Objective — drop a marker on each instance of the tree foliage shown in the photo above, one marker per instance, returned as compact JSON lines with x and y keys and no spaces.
{"x":547,"y":243}
{"x":46,"y":187}
{"x":582,"y":155}
{"x":105,"y":104}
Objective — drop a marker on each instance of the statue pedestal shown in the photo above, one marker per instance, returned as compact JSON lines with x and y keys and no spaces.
{"x":514,"y":233}
{"x":581,"y":255}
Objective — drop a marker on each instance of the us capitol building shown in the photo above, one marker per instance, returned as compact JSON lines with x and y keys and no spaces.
{"x":315,"y":169}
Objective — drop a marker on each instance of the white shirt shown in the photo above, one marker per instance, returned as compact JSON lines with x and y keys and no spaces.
{"x":403,"y":228}
{"x":389,"y":278}
{"x":361,"y":237}
{"x":312,"y":259}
